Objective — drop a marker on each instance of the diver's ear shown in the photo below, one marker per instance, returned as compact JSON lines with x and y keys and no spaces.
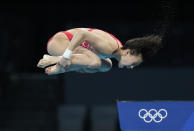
{"x":126,"y":52}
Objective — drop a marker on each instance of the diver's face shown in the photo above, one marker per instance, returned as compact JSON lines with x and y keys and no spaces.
{"x":129,"y":60}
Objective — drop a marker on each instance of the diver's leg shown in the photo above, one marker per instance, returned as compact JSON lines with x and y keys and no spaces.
{"x":83,"y":60}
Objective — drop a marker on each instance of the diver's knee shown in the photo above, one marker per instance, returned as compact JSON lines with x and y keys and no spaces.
{"x":95,"y":64}
{"x":106,"y":65}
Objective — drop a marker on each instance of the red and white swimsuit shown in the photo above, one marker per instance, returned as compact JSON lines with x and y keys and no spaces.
{"x":85,"y":44}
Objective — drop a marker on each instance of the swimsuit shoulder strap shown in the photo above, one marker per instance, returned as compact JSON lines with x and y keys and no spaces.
{"x":91,"y":29}
{"x":68,"y":34}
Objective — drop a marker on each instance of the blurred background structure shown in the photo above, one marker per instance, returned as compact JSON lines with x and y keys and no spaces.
{"x":33,"y":101}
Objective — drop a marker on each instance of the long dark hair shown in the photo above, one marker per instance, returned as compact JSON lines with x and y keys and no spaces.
{"x":146,"y":46}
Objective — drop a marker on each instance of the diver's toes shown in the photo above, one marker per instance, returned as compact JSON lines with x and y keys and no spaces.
{"x":41,"y":63}
{"x":48,"y":70}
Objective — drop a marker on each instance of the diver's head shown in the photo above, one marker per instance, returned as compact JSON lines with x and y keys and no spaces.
{"x":137,"y":50}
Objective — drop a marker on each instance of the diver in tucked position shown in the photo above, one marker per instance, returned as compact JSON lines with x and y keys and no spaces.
{"x":89,"y":50}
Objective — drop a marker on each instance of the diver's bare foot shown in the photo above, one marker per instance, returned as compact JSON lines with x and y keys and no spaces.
{"x":48,"y":60}
{"x":55,"y":69}
{"x":63,"y":65}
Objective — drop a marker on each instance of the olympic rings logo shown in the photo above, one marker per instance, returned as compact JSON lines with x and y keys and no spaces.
{"x":152,"y":115}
